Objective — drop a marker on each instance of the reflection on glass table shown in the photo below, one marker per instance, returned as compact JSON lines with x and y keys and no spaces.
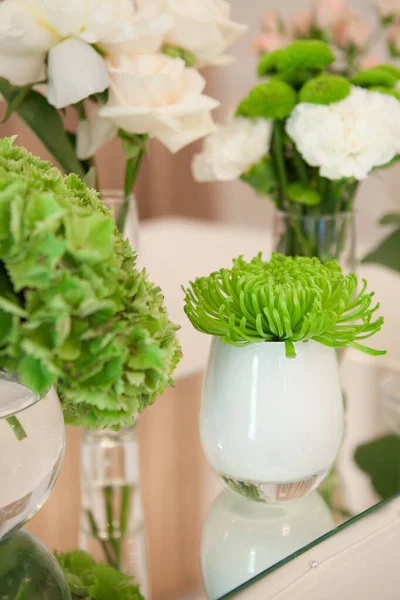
{"x":243,"y":539}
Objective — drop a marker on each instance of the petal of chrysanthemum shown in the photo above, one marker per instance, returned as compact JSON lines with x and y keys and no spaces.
{"x":75,"y":71}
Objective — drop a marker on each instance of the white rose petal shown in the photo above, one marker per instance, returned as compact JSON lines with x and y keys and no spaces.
{"x":233,"y":149}
{"x":158,"y":95}
{"x":75,"y":71}
{"x":65,"y":30}
{"x":204,"y":28}
{"x":348,"y":138}
{"x":92,"y":134}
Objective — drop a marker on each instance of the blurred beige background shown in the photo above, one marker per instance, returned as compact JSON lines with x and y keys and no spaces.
{"x":174,"y":473}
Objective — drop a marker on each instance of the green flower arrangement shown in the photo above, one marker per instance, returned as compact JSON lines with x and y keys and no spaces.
{"x":74,"y":310}
{"x":287,"y":299}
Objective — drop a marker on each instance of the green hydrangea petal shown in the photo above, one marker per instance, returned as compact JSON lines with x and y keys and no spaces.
{"x":325,"y":89}
{"x":272,"y":100}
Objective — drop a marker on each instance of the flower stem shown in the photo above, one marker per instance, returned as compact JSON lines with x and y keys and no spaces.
{"x":279,"y":160}
{"x":115,"y":543}
{"x":23,"y":589}
{"x":17,"y":428}
{"x":95,"y":533}
{"x":132,"y":169}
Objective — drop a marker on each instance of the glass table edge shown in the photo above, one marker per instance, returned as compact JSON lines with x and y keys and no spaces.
{"x":305,"y":549}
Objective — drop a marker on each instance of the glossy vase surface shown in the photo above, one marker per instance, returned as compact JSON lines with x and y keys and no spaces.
{"x":271,"y":426}
{"x":32,"y":442}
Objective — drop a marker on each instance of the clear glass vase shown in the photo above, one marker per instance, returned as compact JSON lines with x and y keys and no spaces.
{"x":326,"y":237}
{"x":111,"y":526}
{"x":32,"y":442}
{"x":114,"y":200}
{"x":28,"y":571}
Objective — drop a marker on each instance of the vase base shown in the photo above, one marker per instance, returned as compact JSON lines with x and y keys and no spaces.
{"x":268,"y":493}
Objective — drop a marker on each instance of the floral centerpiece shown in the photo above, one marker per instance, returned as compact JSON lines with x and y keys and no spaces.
{"x":271,"y":420}
{"x":129,"y":69}
{"x":350,"y":35}
{"x":306,"y":138}
{"x":75,"y":314}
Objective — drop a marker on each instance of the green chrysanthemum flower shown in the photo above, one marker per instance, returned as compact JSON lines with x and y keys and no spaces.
{"x":74,"y":311}
{"x":377,"y":76}
{"x":309,"y":55}
{"x":272,"y":100}
{"x":325,"y":89}
{"x":286,"y":299}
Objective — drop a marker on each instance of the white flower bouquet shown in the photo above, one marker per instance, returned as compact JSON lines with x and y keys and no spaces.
{"x":129,"y":68}
{"x":307,"y":137}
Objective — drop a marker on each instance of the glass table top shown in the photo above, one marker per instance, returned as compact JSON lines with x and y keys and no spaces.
{"x":243,"y":540}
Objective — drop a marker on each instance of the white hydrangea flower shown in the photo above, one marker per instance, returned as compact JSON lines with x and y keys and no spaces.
{"x":232,"y":150}
{"x":348,"y":138}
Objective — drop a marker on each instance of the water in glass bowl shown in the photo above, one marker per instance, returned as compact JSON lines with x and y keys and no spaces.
{"x":32,"y":441}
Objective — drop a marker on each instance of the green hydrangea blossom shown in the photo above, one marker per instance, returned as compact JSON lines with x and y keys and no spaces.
{"x":287,"y":299}
{"x":310,"y":55}
{"x":325,"y":89}
{"x":74,"y":311}
{"x":92,"y":581}
{"x":272,"y":100}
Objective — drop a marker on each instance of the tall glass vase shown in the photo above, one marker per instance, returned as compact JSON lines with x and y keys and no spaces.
{"x":111,"y":522}
{"x":114,"y":200}
{"x":111,"y":527}
{"x":324,"y":236}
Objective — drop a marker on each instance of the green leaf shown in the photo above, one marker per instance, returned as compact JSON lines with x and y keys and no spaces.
{"x":380,"y":459}
{"x":90,"y":178}
{"x":375,"y":77}
{"x":17,"y":99}
{"x":391,"y":219}
{"x":302,"y":194}
{"x":176,"y":52}
{"x":273,"y":100}
{"x":45,"y":121}
{"x":325,"y":89}
{"x":387,"y":253}
{"x":261,"y":177}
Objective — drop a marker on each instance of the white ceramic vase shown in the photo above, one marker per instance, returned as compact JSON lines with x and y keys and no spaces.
{"x":271,"y":426}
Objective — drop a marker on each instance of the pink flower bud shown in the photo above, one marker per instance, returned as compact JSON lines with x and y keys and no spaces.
{"x":351,"y":31}
{"x":329,"y":12}
{"x":272,"y":21}
{"x":394,"y":37}
{"x":267,"y":42}
{"x":368,"y":62}
{"x":301,"y":24}
{"x":389,"y":8}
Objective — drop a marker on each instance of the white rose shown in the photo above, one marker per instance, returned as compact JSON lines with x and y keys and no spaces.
{"x":348,"y":138}
{"x":203,"y":27}
{"x":158,"y":95}
{"x":233,"y":149}
{"x":65,"y":32}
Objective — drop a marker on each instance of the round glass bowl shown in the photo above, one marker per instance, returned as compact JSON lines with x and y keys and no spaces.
{"x":32,"y":442}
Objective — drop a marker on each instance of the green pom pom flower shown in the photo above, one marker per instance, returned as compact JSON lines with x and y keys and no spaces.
{"x":310,"y":55}
{"x":287,"y":299}
{"x":377,"y":76}
{"x":325,"y":89}
{"x":388,"y":91}
{"x":272,"y":100}
{"x":74,"y":311}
